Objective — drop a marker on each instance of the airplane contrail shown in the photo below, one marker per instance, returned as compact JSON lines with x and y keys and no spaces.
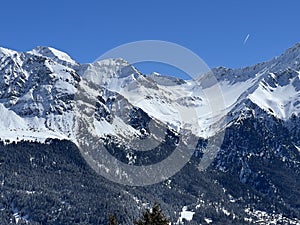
{"x":246,"y":39}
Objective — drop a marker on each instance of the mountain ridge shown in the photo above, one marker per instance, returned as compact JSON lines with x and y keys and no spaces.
{"x":19,"y":71}
{"x":47,"y":107}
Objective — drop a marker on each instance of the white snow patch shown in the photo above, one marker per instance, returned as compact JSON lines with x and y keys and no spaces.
{"x":185,"y":214}
{"x":15,"y":128}
{"x":277,"y":101}
{"x":208,"y":220}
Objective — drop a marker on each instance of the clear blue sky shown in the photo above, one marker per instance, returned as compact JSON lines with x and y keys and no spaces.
{"x":215,"y":30}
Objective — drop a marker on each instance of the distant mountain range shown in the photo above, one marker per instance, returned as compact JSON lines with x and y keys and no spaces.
{"x":51,"y":104}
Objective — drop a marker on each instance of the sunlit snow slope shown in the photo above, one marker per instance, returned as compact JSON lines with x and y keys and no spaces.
{"x":40,"y":92}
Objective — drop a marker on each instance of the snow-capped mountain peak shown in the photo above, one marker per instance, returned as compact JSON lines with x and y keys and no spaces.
{"x":6,"y":52}
{"x":114,"y":74}
{"x":52,"y":53}
{"x":41,"y":83}
{"x":110,"y":68}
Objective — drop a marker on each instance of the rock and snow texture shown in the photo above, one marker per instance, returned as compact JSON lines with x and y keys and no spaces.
{"x":52,"y":53}
{"x":37,"y":90}
{"x":36,"y":96}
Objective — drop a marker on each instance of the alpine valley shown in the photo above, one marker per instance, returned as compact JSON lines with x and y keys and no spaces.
{"x":45,"y":177}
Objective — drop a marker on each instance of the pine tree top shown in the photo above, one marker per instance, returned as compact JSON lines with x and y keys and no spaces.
{"x":154,"y":216}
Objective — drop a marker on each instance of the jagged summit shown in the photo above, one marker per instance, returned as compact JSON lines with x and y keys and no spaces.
{"x":52,"y":53}
{"x":113,"y":68}
{"x":290,"y":59}
{"x":294,"y":49}
{"x":6,"y":52}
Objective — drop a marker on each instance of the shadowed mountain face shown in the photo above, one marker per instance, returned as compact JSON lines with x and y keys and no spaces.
{"x":44,"y":175}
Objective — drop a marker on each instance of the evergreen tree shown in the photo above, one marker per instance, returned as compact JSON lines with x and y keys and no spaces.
{"x":113,"y":220}
{"x":153,"y":217}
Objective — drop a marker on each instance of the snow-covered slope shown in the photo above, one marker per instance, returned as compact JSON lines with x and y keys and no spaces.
{"x":41,"y":95}
{"x":279,"y":94}
{"x":179,"y":104}
{"x":36,"y":91}
{"x":39,"y":92}
{"x":272,"y":85}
